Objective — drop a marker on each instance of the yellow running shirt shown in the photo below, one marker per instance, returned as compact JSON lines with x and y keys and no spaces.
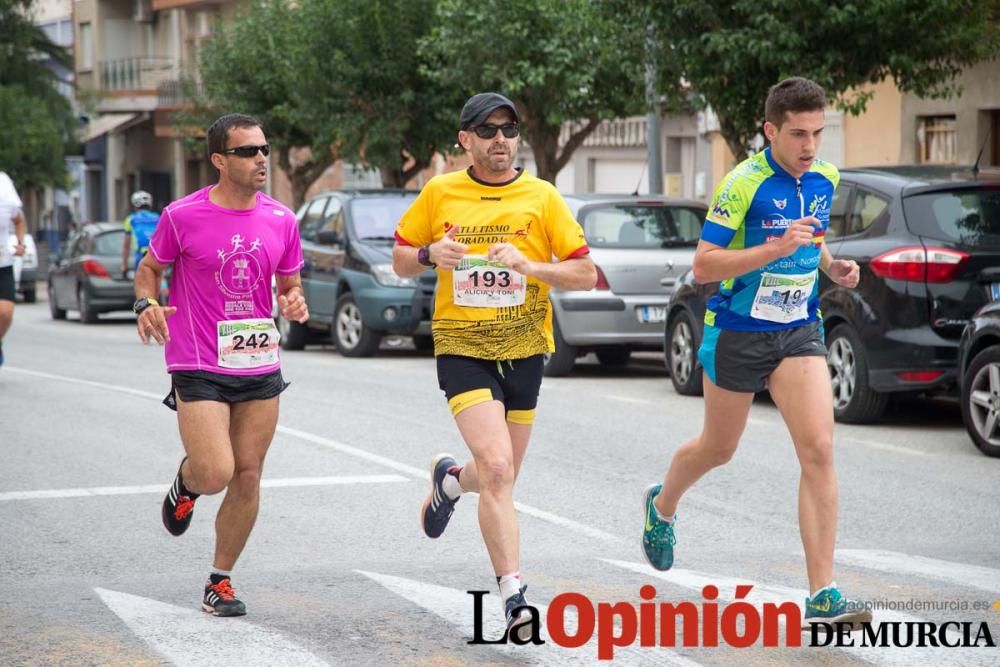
{"x":527,"y":212}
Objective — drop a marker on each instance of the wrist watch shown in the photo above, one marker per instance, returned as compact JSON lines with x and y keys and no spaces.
{"x":424,"y":256}
{"x":142,"y":304}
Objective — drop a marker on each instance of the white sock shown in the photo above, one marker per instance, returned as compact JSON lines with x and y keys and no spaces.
{"x":668,"y":519}
{"x":510,"y":584}
{"x":223,"y":573}
{"x":451,"y":486}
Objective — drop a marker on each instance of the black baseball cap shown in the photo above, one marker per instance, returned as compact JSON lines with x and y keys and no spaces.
{"x":479,"y":107}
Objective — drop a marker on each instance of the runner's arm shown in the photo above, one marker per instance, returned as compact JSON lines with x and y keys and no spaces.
{"x":291,"y":297}
{"x":126,"y":250}
{"x":404,"y":261}
{"x":148,"y":277}
{"x":713,"y":263}
{"x":20,"y":229}
{"x":153,"y":320}
{"x":577,"y":273}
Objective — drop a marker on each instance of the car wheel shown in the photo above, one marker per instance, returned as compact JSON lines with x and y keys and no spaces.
{"x":351,"y":335}
{"x":57,"y":312}
{"x":682,"y":356}
{"x":614,"y":356}
{"x":423,"y":343}
{"x":854,"y":402}
{"x":30,"y":296}
{"x":87,"y":313}
{"x":560,"y":362}
{"x":293,"y":335}
{"x":981,"y":400}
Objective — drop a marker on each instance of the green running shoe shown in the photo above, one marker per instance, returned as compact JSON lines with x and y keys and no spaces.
{"x":657,"y":535}
{"x":830,"y":606}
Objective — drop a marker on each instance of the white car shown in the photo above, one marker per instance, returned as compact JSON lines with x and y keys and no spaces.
{"x":25,"y":267}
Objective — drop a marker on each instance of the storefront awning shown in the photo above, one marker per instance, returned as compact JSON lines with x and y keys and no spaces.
{"x":107,"y":123}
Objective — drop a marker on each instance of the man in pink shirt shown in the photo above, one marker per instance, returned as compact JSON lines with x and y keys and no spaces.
{"x":225,"y":242}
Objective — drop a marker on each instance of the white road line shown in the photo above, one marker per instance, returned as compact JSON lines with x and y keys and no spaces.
{"x":629,"y":399}
{"x":884,"y":446}
{"x":161,"y":488}
{"x":419,"y":473}
{"x":456,"y":607}
{"x":192,"y":638}
{"x":892,"y":656}
{"x":971,"y":576}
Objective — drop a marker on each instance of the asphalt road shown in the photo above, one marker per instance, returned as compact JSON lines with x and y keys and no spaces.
{"x":338,"y":571}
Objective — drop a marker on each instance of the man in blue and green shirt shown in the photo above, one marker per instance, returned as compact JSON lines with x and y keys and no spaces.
{"x":763,"y":239}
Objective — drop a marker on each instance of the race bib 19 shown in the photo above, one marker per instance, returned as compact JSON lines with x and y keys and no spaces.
{"x":783,"y":298}
{"x":247,"y":343}
{"x":480,"y":282}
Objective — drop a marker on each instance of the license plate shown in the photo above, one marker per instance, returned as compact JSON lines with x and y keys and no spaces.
{"x":995,"y":291}
{"x":651,"y":314}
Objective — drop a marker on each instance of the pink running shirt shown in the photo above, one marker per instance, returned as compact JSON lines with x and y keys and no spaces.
{"x":223,"y":264}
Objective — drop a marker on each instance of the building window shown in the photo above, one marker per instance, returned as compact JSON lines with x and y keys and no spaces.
{"x":86,"y":46}
{"x":936,"y":140}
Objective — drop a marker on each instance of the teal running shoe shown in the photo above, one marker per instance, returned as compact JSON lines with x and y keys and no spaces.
{"x":657,"y":535}
{"x":830,"y":606}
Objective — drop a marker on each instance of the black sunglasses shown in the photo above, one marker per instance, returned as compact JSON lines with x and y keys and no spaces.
{"x":510,"y":130}
{"x":247,"y":151}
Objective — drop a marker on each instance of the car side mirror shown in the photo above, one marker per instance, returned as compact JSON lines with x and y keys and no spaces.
{"x":328,"y":238}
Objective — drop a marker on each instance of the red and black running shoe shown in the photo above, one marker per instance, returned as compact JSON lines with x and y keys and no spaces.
{"x":220,"y":598}
{"x":178,"y":505}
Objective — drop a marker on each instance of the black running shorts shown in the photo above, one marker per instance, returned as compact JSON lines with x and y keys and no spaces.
{"x":206,"y":386}
{"x":467,"y":381}
{"x":7,"y":292}
{"x":743,"y":360}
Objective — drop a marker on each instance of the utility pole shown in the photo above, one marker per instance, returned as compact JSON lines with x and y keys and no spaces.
{"x":653,"y":159}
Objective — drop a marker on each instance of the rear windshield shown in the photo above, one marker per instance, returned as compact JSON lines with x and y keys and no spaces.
{"x":375,"y":218}
{"x":636,"y":226}
{"x":967,"y":217}
{"x":109,"y":243}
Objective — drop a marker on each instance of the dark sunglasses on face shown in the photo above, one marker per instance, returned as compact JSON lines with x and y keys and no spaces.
{"x":248,"y":151}
{"x":510,"y":130}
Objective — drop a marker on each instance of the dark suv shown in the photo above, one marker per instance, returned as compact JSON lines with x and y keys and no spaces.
{"x":354,"y":296}
{"x":928,"y":243}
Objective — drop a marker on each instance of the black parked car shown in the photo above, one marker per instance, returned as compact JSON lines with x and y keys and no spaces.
{"x":354,"y":296}
{"x":928,"y":243}
{"x":86,"y":276}
{"x":979,"y":368}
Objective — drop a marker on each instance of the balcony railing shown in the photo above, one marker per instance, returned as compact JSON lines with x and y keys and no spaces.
{"x":136,"y":73}
{"x":620,"y":132}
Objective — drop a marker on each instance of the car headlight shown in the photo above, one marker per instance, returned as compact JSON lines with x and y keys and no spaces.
{"x":384,"y":275}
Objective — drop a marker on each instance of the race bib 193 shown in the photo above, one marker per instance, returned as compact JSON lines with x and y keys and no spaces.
{"x":247,"y":343}
{"x":483,"y":283}
{"x":783,"y":298}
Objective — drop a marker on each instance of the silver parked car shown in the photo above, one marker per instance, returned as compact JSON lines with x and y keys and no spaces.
{"x":641,"y":245}
{"x":86,"y":276}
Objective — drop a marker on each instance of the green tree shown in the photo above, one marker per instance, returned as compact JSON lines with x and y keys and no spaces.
{"x":36,"y":121}
{"x":366,"y":73}
{"x":254,"y":65}
{"x":557,"y":60}
{"x":729,"y":52}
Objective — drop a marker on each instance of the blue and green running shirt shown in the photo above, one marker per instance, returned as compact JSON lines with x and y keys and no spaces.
{"x":753,"y":205}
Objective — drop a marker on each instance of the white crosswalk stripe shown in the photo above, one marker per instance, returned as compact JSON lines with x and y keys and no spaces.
{"x":456,"y":607}
{"x":762,"y":593}
{"x":192,"y":638}
{"x":971,"y":576}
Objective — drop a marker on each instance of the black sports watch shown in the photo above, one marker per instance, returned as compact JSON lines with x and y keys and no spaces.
{"x":424,"y":256}
{"x":143,"y":303}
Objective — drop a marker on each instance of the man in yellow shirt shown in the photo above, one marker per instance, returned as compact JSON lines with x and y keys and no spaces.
{"x":491,"y":232}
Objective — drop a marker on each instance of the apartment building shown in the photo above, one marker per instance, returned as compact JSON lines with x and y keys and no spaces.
{"x":130,"y":56}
